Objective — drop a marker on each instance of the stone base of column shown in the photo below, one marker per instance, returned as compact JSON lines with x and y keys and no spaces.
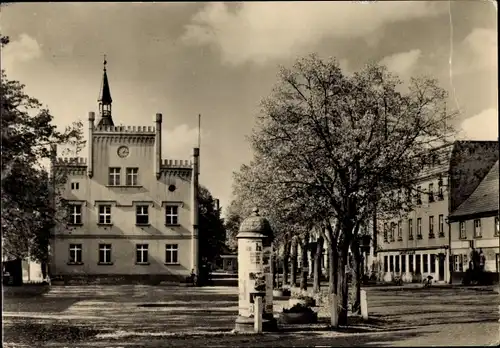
{"x":244,"y":324}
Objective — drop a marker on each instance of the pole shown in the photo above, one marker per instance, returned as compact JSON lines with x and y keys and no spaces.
{"x":199,"y":138}
{"x":450,"y":258}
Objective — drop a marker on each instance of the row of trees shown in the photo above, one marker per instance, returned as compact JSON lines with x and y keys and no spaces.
{"x":331,"y":150}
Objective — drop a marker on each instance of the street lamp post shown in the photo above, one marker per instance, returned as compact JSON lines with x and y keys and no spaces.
{"x":450,"y":263}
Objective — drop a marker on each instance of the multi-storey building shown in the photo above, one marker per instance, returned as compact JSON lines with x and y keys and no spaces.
{"x":475,"y":226}
{"x":132,"y":213}
{"x":418,"y":244}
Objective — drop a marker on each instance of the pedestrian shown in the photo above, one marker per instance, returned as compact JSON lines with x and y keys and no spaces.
{"x":471,"y":258}
{"x":482,"y":260}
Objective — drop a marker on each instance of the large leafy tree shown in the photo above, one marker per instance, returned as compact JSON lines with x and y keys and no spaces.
{"x":29,"y":200}
{"x":352,"y":143}
{"x":212,"y":236}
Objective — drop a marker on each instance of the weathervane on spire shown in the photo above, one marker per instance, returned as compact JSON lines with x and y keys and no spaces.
{"x":105,"y":62}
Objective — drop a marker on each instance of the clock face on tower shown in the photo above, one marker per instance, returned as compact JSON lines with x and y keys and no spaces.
{"x":123,"y":151}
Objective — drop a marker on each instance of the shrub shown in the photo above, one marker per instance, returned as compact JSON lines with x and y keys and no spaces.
{"x":298,"y":308}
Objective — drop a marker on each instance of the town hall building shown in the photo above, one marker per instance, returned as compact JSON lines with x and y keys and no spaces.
{"x":133,"y":215}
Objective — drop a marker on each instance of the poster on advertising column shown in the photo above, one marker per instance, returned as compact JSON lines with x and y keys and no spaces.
{"x":267,"y":260}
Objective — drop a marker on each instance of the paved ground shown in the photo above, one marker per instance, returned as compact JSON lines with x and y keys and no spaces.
{"x":148,"y":316}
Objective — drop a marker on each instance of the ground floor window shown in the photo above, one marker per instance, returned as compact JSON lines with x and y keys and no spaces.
{"x":403,"y":263}
{"x":410,"y":264}
{"x":141,"y":253}
{"x":457,"y":261}
{"x":425,"y":260}
{"x":417,"y":264}
{"x":433,"y":263}
{"x":75,"y":253}
{"x":171,"y":253}
{"x":104,"y":253}
{"x":397,"y":263}
{"x":391,"y":263}
{"x":386,"y":263}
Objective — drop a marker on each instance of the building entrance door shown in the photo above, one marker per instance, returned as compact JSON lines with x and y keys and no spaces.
{"x":441,"y":267}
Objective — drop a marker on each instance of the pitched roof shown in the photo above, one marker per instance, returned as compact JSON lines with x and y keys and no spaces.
{"x":105,"y":95}
{"x":484,"y":198}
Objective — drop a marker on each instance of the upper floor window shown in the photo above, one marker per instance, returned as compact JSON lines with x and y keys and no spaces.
{"x":105,"y":214}
{"x":431,"y":192}
{"x":393,"y":231}
{"x":142,"y":215}
{"x":441,"y":225}
{"x":410,"y":229}
{"x":477,"y":228}
{"x":114,"y":177}
{"x":172,"y":215}
{"x":400,"y":230}
{"x":386,"y":231}
{"x":75,"y":253}
{"x":132,"y":174}
{"x":75,"y":185}
{"x":431,"y":226}
{"x":419,"y":195}
{"x":463,"y":234}
{"x":440,"y":188}
{"x":419,"y":228}
{"x":75,"y":214}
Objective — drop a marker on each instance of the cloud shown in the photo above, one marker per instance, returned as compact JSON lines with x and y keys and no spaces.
{"x":178,"y":143}
{"x":24,"y":49}
{"x":403,"y":63}
{"x":483,"y":126}
{"x":262,"y":31}
{"x":478,"y":51}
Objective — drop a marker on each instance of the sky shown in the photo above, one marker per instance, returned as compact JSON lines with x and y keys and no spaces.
{"x":221,"y":59}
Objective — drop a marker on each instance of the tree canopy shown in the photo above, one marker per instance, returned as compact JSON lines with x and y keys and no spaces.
{"x":212,"y":235}
{"x":336,"y":147}
{"x":27,"y":196}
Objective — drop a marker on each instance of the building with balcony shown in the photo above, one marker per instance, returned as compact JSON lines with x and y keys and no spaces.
{"x":418,"y":244}
{"x":132,"y":213}
{"x":475,"y":227}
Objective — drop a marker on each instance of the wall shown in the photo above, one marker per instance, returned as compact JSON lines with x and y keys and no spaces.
{"x":423,"y":211}
{"x":123,"y":257}
{"x":489,"y":242}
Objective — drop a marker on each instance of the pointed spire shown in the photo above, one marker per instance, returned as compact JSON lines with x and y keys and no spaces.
{"x":105,"y":99}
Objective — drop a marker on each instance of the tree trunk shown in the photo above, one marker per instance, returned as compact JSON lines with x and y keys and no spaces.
{"x":274,"y":270}
{"x":342,"y":287}
{"x":312,"y":257}
{"x":286,"y":260}
{"x":317,"y":265}
{"x":293,"y":270}
{"x":357,"y":277}
{"x":305,"y":263}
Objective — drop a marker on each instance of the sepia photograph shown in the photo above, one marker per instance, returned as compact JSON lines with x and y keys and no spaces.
{"x":250,"y":174}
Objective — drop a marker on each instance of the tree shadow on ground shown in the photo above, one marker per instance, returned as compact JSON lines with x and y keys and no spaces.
{"x":24,"y":291}
{"x":40,"y":333}
{"x":278,"y":339}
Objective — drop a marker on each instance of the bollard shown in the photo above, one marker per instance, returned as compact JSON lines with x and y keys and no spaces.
{"x":257,"y":324}
{"x":364,"y":305}
{"x":334,"y":310}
